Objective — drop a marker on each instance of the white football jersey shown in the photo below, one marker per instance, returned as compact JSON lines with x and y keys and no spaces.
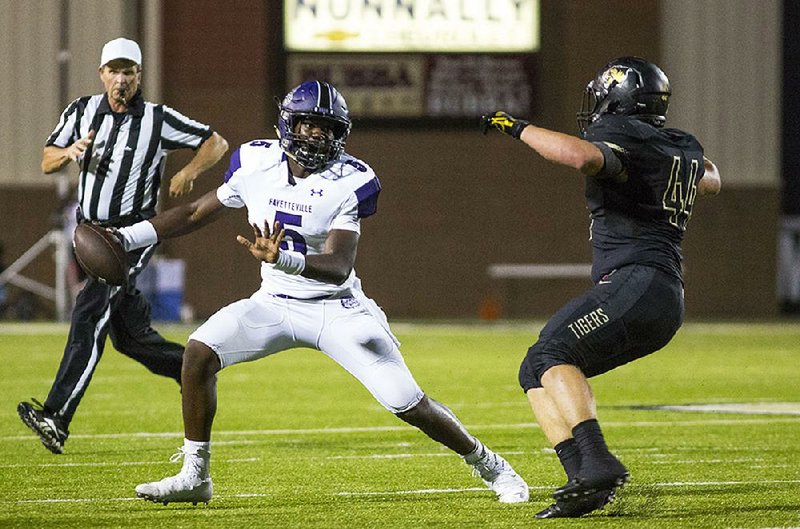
{"x":309,"y":208}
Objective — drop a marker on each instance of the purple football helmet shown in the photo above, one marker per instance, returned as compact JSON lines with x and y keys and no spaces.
{"x":319,"y":101}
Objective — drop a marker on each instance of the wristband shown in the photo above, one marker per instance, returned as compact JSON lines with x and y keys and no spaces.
{"x":517,"y":128}
{"x":292,"y":263}
{"x":138,"y":235}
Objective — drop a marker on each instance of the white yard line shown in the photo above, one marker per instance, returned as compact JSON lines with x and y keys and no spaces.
{"x":375,"y":429}
{"x":406,"y":455}
{"x":113,"y":463}
{"x":427,"y":491}
{"x":719,"y":483}
{"x":548,"y":487}
{"x":106,"y":500}
{"x":706,"y":461}
{"x":417,"y":491}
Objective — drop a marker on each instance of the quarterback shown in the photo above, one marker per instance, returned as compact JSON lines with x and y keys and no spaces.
{"x":305,"y":198}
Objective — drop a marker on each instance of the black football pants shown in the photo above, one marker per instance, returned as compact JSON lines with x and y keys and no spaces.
{"x":124,"y":314}
{"x":634,"y":313}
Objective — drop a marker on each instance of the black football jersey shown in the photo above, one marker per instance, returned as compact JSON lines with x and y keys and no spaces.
{"x":642,"y":219}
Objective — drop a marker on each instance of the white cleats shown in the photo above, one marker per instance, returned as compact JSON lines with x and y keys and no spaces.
{"x":498,"y":475}
{"x":177,"y":488}
{"x":192,"y":484}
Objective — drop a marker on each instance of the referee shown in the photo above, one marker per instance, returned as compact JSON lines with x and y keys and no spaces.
{"x":120,"y":143}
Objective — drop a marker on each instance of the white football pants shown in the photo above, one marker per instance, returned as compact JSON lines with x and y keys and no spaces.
{"x":352,"y":331}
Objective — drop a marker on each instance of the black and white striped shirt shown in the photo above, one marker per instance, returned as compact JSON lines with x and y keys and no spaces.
{"x":121,"y":170}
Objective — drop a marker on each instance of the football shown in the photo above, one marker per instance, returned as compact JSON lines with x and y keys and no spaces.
{"x":100,"y":254}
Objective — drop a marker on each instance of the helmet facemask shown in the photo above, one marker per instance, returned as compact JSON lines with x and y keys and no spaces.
{"x":312,"y":152}
{"x":588,"y":113}
{"x":318,"y":103}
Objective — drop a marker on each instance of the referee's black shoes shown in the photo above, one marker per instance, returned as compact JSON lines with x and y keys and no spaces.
{"x":576,"y":507}
{"x":44,"y":424}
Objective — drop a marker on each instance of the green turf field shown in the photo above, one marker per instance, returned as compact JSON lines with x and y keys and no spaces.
{"x":298,"y":443}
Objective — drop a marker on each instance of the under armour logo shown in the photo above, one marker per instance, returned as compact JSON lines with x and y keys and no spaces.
{"x":316,"y":192}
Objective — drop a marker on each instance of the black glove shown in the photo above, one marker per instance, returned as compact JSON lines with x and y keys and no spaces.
{"x":504,"y":123}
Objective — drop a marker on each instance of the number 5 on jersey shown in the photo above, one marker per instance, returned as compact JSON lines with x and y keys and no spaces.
{"x":297,"y":240}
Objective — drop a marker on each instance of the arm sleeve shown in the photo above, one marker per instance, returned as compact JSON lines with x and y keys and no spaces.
{"x":612,"y":164}
{"x":234,"y":164}
{"x":367,"y":197}
{"x":228,"y":194}
{"x":362,"y":203}
{"x":180,"y":132}
{"x":347,"y":219}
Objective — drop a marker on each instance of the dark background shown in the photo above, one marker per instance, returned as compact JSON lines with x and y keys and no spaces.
{"x":453,"y":201}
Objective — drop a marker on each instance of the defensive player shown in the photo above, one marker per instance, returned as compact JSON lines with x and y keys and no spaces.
{"x":641,"y":183}
{"x":305,"y":198}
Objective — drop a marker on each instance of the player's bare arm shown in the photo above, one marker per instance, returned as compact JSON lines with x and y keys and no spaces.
{"x":564,"y":149}
{"x":336,"y":262}
{"x":554,"y":146}
{"x":174,"y":222}
{"x":187,"y":218}
{"x":711,"y":183}
{"x":206,"y":156}
{"x":55,"y":158}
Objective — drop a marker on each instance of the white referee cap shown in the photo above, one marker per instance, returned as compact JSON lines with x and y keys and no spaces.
{"x":120,"y":48}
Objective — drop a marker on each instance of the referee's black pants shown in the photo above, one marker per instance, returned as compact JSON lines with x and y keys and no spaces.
{"x":124,"y":314}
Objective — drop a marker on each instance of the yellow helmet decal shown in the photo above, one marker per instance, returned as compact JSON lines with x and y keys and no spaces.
{"x":614,"y":74}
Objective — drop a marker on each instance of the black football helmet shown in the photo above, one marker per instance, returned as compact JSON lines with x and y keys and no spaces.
{"x":322,"y":102}
{"x":626,"y":86}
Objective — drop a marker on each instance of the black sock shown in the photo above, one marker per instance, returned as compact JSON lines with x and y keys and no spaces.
{"x":590,"y":440}
{"x":570,"y":457}
{"x":598,"y":465}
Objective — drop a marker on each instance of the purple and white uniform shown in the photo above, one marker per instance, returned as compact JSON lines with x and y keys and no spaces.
{"x":293,"y":311}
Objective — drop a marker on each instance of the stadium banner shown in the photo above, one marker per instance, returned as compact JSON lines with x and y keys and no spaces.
{"x":420,"y":86}
{"x":373,"y":86}
{"x":471,"y":85}
{"x":473,"y":26}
